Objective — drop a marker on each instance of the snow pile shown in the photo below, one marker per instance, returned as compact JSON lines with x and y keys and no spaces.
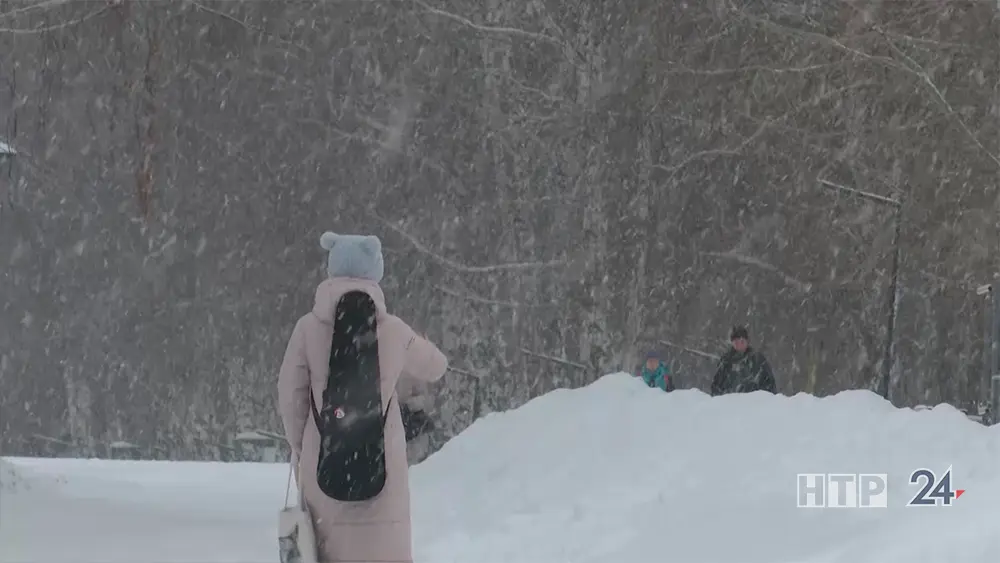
{"x":10,"y":479}
{"x":614,"y":472}
{"x":15,"y":479}
{"x":142,"y":512}
{"x":619,"y":472}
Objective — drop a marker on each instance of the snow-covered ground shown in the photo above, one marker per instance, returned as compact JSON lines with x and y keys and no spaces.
{"x":611,"y":473}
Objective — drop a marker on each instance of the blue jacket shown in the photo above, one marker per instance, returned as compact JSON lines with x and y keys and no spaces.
{"x":659,"y":377}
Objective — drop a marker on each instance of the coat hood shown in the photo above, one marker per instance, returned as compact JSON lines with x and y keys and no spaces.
{"x":330,"y":291}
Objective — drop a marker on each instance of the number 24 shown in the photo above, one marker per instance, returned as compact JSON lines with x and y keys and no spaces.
{"x":933,"y":492}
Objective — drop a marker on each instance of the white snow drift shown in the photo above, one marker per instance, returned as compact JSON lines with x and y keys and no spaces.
{"x":611,"y":473}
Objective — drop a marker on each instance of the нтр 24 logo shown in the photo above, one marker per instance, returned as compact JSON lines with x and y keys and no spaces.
{"x":933,"y":491}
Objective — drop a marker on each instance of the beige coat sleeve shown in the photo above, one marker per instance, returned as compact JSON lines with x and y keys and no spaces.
{"x":423,"y":361}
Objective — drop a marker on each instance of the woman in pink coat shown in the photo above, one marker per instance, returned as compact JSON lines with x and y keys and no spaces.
{"x":377,"y":530}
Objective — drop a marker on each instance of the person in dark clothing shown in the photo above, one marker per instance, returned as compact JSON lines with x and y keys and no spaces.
{"x":415,"y":421}
{"x":742,"y":369}
{"x":656,"y":373}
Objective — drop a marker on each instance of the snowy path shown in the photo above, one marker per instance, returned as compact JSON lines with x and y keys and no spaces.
{"x":613,"y":472}
{"x":97,"y":511}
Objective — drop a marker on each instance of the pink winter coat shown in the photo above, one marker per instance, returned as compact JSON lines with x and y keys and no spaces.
{"x":376,"y":530}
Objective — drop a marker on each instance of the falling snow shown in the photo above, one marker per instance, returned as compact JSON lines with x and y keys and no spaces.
{"x":559,"y":187}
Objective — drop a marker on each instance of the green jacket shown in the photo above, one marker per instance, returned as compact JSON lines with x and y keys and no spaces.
{"x":743,"y":372}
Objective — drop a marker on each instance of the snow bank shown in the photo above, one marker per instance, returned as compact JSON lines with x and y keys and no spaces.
{"x":88,"y":510}
{"x":619,"y":472}
{"x":15,"y":479}
{"x":611,"y":473}
{"x":10,"y":479}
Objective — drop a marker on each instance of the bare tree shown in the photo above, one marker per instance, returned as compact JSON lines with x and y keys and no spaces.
{"x":558,"y":185}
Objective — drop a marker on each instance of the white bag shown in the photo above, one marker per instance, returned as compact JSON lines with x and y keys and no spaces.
{"x":296,"y":536}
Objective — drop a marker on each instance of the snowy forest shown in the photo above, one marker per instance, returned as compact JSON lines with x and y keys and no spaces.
{"x":559,"y":186}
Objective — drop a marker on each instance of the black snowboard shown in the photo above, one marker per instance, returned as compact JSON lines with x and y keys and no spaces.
{"x":351,"y":423}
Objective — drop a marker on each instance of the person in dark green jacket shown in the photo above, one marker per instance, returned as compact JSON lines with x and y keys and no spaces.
{"x":742,"y":369}
{"x":656,"y":373}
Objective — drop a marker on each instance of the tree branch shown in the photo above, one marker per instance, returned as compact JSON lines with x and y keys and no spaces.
{"x":483,"y":300}
{"x":463,"y":372}
{"x":925,"y":78}
{"x":802,"y":286}
{"x":912,"y":67}
{"x":555,"y":360}
{"x":818,"y":38}
{"x":32,"y":31}
{"x":489,"y":29}
{"x":764,"y":126}
{"x":35,"y":6}
{"x":246,"y":25}
{"x":462,"y":267}
{"x":689,"y":350}
{"x":859,"y":193}
{"x":715,"y":152}
{"x":677,"y":69}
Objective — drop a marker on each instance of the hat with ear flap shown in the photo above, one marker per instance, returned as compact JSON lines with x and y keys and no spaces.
{"x":353,"y":256}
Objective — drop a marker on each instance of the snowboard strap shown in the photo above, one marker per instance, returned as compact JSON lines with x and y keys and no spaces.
{"x":294,"y":461}
{"x":315,"y":411}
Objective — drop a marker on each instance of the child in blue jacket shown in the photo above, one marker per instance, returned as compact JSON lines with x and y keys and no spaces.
{"x":656,"y":373}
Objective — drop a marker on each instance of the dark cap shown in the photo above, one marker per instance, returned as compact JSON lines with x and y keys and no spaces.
{"x":739,"y":331}
{"x":652,"y":355}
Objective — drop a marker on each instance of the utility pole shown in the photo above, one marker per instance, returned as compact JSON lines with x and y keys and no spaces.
{"x":892,"y":303}
{"x":992,"y":348}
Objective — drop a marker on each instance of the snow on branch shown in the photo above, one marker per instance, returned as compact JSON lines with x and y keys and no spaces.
{"x":859,"y":193}
{"x":802,"y":286}
{"x":422,"y":248}
{"x":483,"y":300}
{"x":911,"y":67}
{"x":29,"y":7}
{"x":462,"y":372}
{"x":246,"y":25}
{"x":553,"y":359}
{"x":818,"y":38}
{"x":673,"y":169}
{"x":71,"y":23}
{"x":916,"y":69}
{"x":489,"y":29}
{"x":677,"y":69}
{"x":693,"y":351}
{"x":765,"y":124}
